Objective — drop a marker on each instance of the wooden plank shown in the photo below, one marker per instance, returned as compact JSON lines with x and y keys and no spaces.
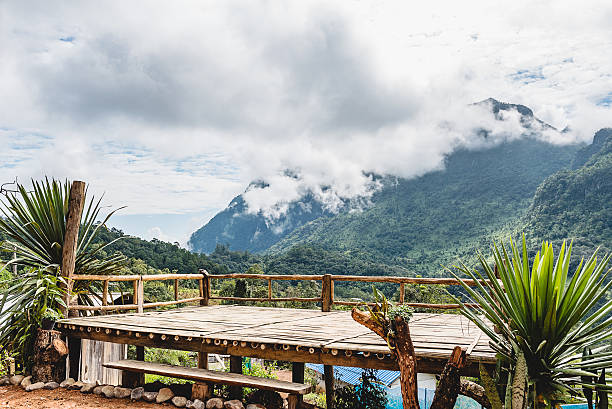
{"x":205,"y":375}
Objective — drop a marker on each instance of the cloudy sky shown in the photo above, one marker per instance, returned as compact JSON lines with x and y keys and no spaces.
{"x":172,"y":108}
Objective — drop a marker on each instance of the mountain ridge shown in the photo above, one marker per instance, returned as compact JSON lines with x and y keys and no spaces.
{"x":242,"y":230}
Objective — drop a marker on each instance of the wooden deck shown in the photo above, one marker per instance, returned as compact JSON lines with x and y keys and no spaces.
{"x":297,"y":335}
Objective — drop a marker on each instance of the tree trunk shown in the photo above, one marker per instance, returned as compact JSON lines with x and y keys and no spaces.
{"x":49,"y":357}
{"x":403,"y":349}
{"x":406,"y":359}
{"x":450,"y":384}
{"x":450,"y":381}
{"x":476,"y":392}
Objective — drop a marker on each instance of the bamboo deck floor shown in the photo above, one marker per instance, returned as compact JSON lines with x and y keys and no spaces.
{"x":298,"y":335}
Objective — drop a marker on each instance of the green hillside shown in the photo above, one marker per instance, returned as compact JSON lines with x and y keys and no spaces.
{"x":577,"y":203}
{"x":431,"y":220}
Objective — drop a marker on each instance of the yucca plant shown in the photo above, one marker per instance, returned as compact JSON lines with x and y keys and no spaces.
{"x":548,"y":314}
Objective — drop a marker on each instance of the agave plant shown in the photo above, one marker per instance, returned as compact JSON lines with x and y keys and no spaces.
{"x":546,"y":314}
{"x":35,"y":223}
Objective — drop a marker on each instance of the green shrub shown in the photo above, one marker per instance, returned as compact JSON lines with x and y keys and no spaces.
{"x":370,"y":394}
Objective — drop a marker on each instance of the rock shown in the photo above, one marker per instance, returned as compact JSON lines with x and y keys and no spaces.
{"x":27,"y":381}
{"x":179,"y":401}
{"x":233,"y":404}
{"x":98,"y":389}
{"x":122,"y":393}
{"x":16,"y":379}
{"x":164,"y":395}
{"x":149,"y":396}
{"x":137,"y":393}
{"x":35,"y":386}
{"x":196,"y":404}
{"x":108,"y":391}
{"x":255,"y":406}
{"x":4,"y":381}
{"x":51,"y":385}
{"x":88,"y":387}
{"x":214,"y":403}
{"x":76,"y":386}
{"x":66,"y":383}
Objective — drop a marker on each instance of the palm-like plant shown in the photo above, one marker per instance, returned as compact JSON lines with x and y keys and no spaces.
{"x":545,"y":313}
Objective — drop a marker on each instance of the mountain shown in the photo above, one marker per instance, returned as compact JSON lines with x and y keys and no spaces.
{"x":433,"y":219}
{"x":243,"y":230}
{"x":478,"y":193}
{"x":577,"y":203}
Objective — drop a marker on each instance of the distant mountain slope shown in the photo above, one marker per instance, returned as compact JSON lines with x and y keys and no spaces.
{"x":577,"y":203}
{"x":430,"y":220}
{"x":478,"y":193}
{"x":247,"y":231}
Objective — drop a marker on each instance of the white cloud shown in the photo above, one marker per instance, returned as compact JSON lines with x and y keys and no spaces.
{"x":172,"y":108}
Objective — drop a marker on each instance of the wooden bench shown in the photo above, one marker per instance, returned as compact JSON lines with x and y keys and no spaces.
{"x":295,"y":390}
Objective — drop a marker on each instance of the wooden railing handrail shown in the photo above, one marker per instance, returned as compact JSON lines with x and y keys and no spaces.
{"x":326,"y":299}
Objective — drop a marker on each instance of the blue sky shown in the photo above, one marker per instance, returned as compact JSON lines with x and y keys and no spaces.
{"x":172,"y":109}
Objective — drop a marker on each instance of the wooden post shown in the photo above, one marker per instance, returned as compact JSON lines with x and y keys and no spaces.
{"x":134,"y":379}
{"x":327,"y":300}
{"x":402,"y":293}
{"x":328,"y":374}
{"x":235,"y":392}
{"x":176,"y":290}
{"x":76,"y":201}
{"x":270,"y":289}
{"x":297,"y":376}
{"x":201,"y":390}
{"x":140,"y":292}
{"x":326,"y":293}
{"x":205,"y":288}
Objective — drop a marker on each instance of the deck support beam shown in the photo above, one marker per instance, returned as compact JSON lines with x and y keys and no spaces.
{"x":297,"y":376}
{"x":328,"y":374}
{"x":235,"y":392}
{"x":135,"y":379}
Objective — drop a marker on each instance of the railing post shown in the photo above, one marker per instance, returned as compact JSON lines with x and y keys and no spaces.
{"x":270,"y":289}
{"x":176,"y":289}
{"x":105,"y":296}
{"x":140,"y":286}
{"x":326,"y":293}
{"x":204,"y":288}
{"x":327,"y":296}
{"x":402,"y":293}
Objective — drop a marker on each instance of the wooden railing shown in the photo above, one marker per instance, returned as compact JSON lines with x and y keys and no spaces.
{"x":327,"y":298}
{"x":138,"y":302}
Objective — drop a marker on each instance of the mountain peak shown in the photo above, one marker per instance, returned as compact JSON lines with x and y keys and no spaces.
{"x":497,"y":106}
